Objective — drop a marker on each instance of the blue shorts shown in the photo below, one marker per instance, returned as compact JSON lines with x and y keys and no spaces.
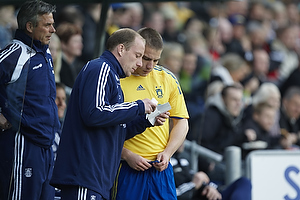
{"x":140,"y":185}
{"x":25,"y":169}
{"x":79,"y":193}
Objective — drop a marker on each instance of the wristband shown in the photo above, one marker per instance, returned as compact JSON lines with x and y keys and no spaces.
{"x":204,"y":184}
{"x":212,"y":184}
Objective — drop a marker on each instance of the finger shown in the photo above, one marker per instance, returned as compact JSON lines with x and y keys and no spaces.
{"x":162,"y":120}
{"x":145,"y":165}
{"x":140,"y":168}
{"x":153,"y":107}
{"x":148,"y":109}
{"x":165,"y":115}
{"x":158,"y":122}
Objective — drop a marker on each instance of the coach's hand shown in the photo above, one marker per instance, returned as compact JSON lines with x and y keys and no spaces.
{"x":4,"y":124}
{"x":150,"y":106}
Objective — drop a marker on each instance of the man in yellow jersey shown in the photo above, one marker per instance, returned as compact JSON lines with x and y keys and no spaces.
{"x":145,"y":171}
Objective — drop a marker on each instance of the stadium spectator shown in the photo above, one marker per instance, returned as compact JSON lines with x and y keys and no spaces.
{"x":233,"y":69}
{"x":267,"y":93}
{"x":70,"y":36}
{"x":222,"y":120}
{"x":292,"y":80}
{"x":259,"y":125}
{"x":194,"y":78}
{"x":191,"y":185}
{"x":290,"y":118}
{"x":70,"y":14}
{"x":260,"y":65}
{"x":91,"y":13}
{"x":56,"y":53}
{"x":8,"y":24}
{"x":61,"y":98}
{"x":154,"y":19}
{"x":283,"y":50}
{"x":172,"y":57}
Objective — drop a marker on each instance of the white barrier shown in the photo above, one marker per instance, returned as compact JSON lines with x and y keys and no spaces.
{"x":197,"y":150}
{"x":233,"y":164}
{"x":275,"y":174}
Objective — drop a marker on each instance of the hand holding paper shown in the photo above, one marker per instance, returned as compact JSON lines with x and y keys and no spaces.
{"x":159,"y":109}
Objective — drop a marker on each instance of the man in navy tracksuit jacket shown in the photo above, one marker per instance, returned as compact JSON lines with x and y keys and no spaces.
{"x":27,"y":102}
{"x":98,"y":121}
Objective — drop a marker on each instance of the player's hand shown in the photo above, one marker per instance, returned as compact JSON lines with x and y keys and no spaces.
{"x":137,"y":162}
{"x":4,"y":124}
{"x":161,"y":119}
{"x":150,"y":106}
{"x":211,"y":193}
{"x":163,"y":161}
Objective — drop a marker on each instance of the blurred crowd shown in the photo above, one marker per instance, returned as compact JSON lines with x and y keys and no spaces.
{"x":237,"y":63}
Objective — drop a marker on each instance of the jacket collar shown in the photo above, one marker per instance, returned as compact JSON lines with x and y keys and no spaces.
{"x":26,"y":39}
{"x":114,"y":63}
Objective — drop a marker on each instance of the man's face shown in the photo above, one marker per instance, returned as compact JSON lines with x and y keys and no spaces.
{"x":44,"y":28}
{"x":61,"y":102}
{"x":261,"y":62}
{"x":132,"y":59}
{"x":292,"y":107}
{"x":233,"y":101}
{"x":266,"y":118}
{"x":74,"y":46}
{"x":150,"y":59}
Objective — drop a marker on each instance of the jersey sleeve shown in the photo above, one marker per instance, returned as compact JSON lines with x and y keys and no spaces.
{"x":176,"y":100}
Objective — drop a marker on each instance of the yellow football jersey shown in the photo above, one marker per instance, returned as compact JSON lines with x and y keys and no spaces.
{"x":162,"y":85}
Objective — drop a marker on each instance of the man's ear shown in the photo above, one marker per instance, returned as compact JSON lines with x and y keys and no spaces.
{"x":120,"y":49}
{"x":29,"y":27}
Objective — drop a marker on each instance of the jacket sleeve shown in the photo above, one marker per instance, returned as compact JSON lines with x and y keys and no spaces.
{"x":7,"y":66}
{"x":12,"y":61}
{"x":185,"y":191}
{"x":101,"y":99}
{"x":137,"y":126}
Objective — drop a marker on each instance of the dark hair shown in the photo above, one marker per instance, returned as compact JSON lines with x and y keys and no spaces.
{"x":125,"y":36}
{"x":233,"y":86}
{"x":30,"y":11}
{"x":291,"y":91}
{"x":152,"y":37}
{"x":70,"y":14}
{"x":60,"y":85}
{"x":66,"y":30}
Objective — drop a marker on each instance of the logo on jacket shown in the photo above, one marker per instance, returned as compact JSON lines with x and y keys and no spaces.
{"x":159,"y":92}
{"x":37,"y":66}
{"x":140,"y":87}
{"x":28,"y":172}
{"x":93,"y":197}
{"x":30,"y":50}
